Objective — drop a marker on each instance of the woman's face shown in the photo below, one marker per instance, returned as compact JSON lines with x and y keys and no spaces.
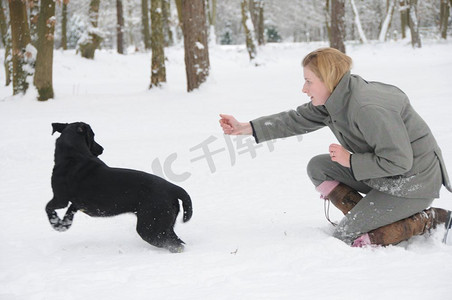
{"x":315,"y":88}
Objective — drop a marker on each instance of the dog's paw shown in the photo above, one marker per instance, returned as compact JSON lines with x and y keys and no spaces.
{"x":58,"y":224}
{"x":176,"y":248}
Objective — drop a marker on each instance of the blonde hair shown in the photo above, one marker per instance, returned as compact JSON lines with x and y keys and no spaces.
{"x":329,"y":65}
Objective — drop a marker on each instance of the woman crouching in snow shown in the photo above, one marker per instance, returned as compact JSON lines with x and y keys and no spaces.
{"x":386,"y":152}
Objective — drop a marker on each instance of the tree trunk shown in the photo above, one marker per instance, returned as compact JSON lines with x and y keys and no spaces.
{"x":6,"y":40}
{"x":212,"y":19}
{"x":328,"y":19}
{"x":404,"y":10}
{"x":257,"y":16}
{"x":362,"y":35}
{"x":158,"y":69}
{"x":414,"y":25}
{"x":64,"y":25}
{"x":145,"y":23}
{"x":180,"y":25}
{"x":120,"y":27}
{"x":3,"y":24}
{"x":338,"y":24}
{"x":387,"y":21}
{"x":211,"y":11}
{"x":195,"y":42}
{"x":44,"y":59}
{"x":166,"y":19}
{"x":34,"y":16}
{"x":249,"y":30}
{"x":179,"y":12}
{"x":260,"y":26}
{"x":20,"y":38}
{"x":444,"y":18}
{"x":93,"y":38}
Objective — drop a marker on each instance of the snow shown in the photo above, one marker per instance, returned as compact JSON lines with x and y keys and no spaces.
{"x":199,"y":45}
{"x":258,"y":229}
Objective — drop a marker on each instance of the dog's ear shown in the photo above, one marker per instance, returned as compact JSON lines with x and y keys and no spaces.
{"x":58,"y":127}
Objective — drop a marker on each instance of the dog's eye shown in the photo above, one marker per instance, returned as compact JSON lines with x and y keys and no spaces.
{"x":81,"y":129}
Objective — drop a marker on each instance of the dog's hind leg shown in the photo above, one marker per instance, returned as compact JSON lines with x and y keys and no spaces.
{"x":162,"y":239}
{"x":55,"y":221}
{"x":159,"y":232}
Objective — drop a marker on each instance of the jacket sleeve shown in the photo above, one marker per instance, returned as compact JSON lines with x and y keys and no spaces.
{"x":385,"y":132}
{"x":304,"y":119}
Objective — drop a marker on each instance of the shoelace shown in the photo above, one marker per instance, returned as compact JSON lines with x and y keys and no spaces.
{"x":326,"y":209}
{"x":448,"y":226}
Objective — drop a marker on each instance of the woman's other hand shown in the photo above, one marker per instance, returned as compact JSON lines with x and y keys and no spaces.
{"x":340,"y":155}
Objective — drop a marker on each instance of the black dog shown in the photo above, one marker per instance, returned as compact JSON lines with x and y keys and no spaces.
{"x":81,"y":178}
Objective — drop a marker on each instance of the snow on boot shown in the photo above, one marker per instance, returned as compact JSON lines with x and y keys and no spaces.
{"x":404,"y":229}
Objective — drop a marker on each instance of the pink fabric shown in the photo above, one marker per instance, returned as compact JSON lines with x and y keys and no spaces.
{"x":362,"y":241}
{"x":326,"y":187}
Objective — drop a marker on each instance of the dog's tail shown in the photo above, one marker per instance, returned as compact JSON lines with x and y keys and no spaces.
{"x":186,"y":202}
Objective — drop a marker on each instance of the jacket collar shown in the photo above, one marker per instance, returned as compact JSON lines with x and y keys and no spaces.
{"x":340,"y":96}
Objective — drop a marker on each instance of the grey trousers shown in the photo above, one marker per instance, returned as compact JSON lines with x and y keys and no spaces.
{"x":376,"y":209}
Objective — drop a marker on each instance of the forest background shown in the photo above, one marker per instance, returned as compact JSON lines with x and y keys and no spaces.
{"x":34,"y":28}
{"x":284,"y":20}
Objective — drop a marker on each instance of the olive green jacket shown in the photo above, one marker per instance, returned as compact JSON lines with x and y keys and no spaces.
{"x":393,"y":149}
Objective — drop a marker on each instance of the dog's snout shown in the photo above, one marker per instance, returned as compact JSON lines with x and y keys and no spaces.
{"x":97,"y":149}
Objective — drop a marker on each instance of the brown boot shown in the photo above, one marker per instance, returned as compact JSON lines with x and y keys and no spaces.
{"x":344,"y":197}
{"x":402,"y":230}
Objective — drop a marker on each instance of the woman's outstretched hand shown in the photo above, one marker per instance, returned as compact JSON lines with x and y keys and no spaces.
{"x":233,"y":127}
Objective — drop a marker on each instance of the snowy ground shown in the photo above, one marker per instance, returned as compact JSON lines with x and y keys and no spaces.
{"x":258,"y":229}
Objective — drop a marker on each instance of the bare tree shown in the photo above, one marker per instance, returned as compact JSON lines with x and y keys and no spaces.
{"x":92,"y":37}
{"x":413,"y":19}
{"x":249,"y":30}
{"x":212,"y":18}
{"x":362,"y":35}
{"x":34,"y":15}
{"x":158,"y":70}
{"x":444,"y":17}
{"x":328,"y":19}
{"x":338,"y":24}
{"x":44,"y":60}
{"x":404,"y":9}
{"x":120,"y":27}
{"x":145,"y":23}
{"x":64,"y":25}
{"x":179,"y":12}
{"x":195,"y":42}
{"x":21,"y":45}
{"x":6,"y":41}
{"x":3,"y":24}
{"x":211,"y":11}
{"x":166,"y":19}
{"x":257,"y":16}
{"x":387,"y":21}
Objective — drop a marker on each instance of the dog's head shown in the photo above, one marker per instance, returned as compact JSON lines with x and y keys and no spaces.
{"x":81,"y":133}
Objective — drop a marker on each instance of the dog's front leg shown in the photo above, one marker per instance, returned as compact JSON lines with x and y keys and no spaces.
{"x":55,"y":221}
{"x":68,"y":217}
